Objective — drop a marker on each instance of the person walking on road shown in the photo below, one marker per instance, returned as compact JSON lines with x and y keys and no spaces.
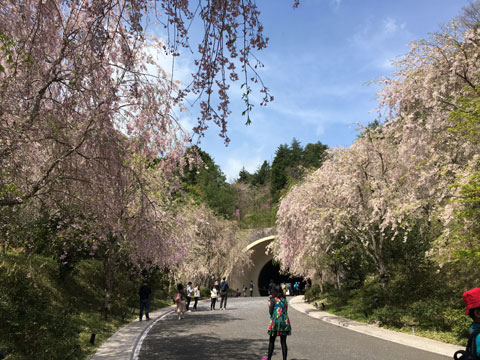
{"x":223,"y":294}
{"x":179,"y":299}
{"x":279,"y":322}
{"x":213,"y":296}
{"x":144,"y":294}
{"x":196,"y":296}
{"x":251,"y":288}
{"x":296,"y":288}
{"x":271,"y":284}
{"x":189,"y":295}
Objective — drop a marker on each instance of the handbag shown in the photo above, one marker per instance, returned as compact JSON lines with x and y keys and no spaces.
{"x":470,"y":353}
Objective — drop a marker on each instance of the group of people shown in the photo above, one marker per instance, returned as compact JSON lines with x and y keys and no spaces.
{"x":219,"y":290}
{"x":250,"y":287}
{"x":279,"y":323}
{"x":183,"y":298}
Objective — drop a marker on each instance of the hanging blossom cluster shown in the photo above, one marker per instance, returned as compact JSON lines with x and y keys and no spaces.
{"x":216,"y":246}
{"x":87,"y":112}
{"x":397,"y":175}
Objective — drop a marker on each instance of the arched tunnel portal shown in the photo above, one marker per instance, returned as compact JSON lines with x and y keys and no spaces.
{"x":263,"y":270}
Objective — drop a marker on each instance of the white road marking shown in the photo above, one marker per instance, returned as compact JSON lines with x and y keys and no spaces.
{"x":138,"y":347}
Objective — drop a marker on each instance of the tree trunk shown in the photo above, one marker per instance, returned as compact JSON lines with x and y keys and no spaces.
{"x":109,"y":278}
{"x":375,"y":249}
{"x":321,"y":281}
{"x":337,"y":277}
{"x":384,"y":278}
{"x":383,"y":273}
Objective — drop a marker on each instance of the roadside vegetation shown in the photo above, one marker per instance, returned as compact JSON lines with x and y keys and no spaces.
{"x":388,"y":229}
{"x":50,"y":314}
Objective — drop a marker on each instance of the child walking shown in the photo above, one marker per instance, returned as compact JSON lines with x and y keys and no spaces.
{"x":279,"y":322}
{"x":179,"y":299}
{"x":213,"y":296}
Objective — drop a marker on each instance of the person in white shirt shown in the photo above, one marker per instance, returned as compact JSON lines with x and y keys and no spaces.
{"x":189,"y":294}
{"x":196,"y":296}
{"x":213,"y":296}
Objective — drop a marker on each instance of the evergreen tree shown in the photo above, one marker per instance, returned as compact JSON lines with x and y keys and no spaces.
{"x":296,"y":152}
{"x":314,"y":155}
{"x":262,"y":175}
{"x":208,"y":184}
{"x":244,"y":176}
{"x":282,"y":160}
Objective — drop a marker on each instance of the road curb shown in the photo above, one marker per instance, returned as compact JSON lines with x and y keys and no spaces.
{"x":122,"y":344}
{"x":126,"y":342}
{"x":414,"y":341}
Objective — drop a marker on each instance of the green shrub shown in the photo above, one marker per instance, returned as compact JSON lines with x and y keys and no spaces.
{"x":313,"y":292}
{"x":428,"y":312}
{"x":204,"y":292}
{"x":260,"y":219}
{"x":390,"y":316}
{"x":457,"y":322}
{"x":36,"y":321}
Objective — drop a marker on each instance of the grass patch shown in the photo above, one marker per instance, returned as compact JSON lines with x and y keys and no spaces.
{"x":94,"y":322}
{"x":433,"y":317}
{"x":49,"y":315}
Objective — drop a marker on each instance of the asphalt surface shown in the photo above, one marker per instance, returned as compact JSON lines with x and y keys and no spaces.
{"x":240,"y":333}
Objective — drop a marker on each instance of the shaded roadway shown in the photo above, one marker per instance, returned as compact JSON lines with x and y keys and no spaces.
{"x":240,"y":333}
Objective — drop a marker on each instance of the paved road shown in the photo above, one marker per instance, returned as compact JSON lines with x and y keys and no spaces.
{"x":240,"y":333}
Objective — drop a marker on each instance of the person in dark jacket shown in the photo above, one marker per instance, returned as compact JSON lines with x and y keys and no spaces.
{"x":144,"y":293}
{"x":224,"y":294}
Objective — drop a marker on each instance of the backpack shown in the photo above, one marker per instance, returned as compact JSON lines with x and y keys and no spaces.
{"x":470,"y":353}
{"x":224,"y":287}
{"x":178,"y":297}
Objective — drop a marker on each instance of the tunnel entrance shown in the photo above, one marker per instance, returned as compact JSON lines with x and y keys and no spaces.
{"x":271,"y":271}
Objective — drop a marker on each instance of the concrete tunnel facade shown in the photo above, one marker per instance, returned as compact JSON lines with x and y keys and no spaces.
{"x":260,"y":259}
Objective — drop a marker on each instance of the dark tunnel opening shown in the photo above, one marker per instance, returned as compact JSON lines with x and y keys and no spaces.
{"x":271,"y":271}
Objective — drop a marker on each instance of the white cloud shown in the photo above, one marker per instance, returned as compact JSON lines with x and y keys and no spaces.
{"x":378,"y":35}
{"x":335,"y":4}
{"x":234,"y":165}
{"x":186,"y":123}
{"x":390,"y":26}
{"x":179,"y":67}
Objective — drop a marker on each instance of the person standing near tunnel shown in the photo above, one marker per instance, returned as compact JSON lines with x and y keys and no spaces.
{"x":213,"y":296}
{"x":271,"y":285}
{"x":224,"y":294}
{"x":279,"y":322}
{"x":144,"y":294}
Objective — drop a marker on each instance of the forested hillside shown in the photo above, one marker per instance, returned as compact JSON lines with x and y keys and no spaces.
{"x":260,"y":192}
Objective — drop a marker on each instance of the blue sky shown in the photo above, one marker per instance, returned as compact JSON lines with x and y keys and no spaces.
{"x":319,"y":59}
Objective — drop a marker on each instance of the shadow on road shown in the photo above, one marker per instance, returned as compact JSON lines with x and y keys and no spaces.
{"x":199,"y":336}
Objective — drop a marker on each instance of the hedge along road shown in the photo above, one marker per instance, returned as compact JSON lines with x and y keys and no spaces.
{"x":240,"y":333}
